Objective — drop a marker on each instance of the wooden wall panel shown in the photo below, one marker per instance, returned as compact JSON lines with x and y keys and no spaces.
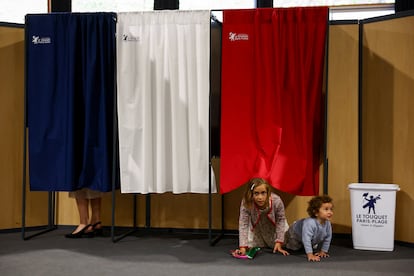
{"x":342,"y":120}
{"x":67,"y":213}
{"x":189,"y":211}
{"x":388,"y":115}
{"x":11,"y":140}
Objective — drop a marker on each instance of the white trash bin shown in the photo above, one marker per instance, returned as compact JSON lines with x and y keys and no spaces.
{"x":373,"y":215}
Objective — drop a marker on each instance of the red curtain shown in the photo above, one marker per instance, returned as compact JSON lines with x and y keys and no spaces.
{"x":271,"y":117}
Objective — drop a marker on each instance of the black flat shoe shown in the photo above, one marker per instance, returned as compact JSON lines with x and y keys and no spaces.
{"x":98,"y":232}
{"x":81,"y":234}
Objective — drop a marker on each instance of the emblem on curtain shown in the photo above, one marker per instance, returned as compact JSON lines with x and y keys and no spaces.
{"x":41,"y":40}
{"x":129,"y":37}
{"x":236,"y":36}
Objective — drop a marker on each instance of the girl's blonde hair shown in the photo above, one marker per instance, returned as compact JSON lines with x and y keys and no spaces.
{"x":248,"y":194}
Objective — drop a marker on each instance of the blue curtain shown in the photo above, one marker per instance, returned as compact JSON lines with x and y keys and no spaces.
{"x":70,"y":93}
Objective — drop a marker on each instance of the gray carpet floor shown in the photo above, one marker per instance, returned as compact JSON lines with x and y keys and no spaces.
{"x":182,"y":254}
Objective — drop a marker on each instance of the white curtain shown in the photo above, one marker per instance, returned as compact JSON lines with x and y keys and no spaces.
{"x":163,"y":101}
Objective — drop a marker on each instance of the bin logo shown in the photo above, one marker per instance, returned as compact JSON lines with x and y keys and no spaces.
{"x":371,"y":219}
{"x":370,"y":202}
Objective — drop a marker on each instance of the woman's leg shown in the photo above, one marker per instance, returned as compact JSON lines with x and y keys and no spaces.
{"x":96,"y":212}
{"x":83,"y":209}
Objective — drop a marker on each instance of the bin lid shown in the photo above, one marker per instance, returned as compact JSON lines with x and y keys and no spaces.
{"x":374,"y":186}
